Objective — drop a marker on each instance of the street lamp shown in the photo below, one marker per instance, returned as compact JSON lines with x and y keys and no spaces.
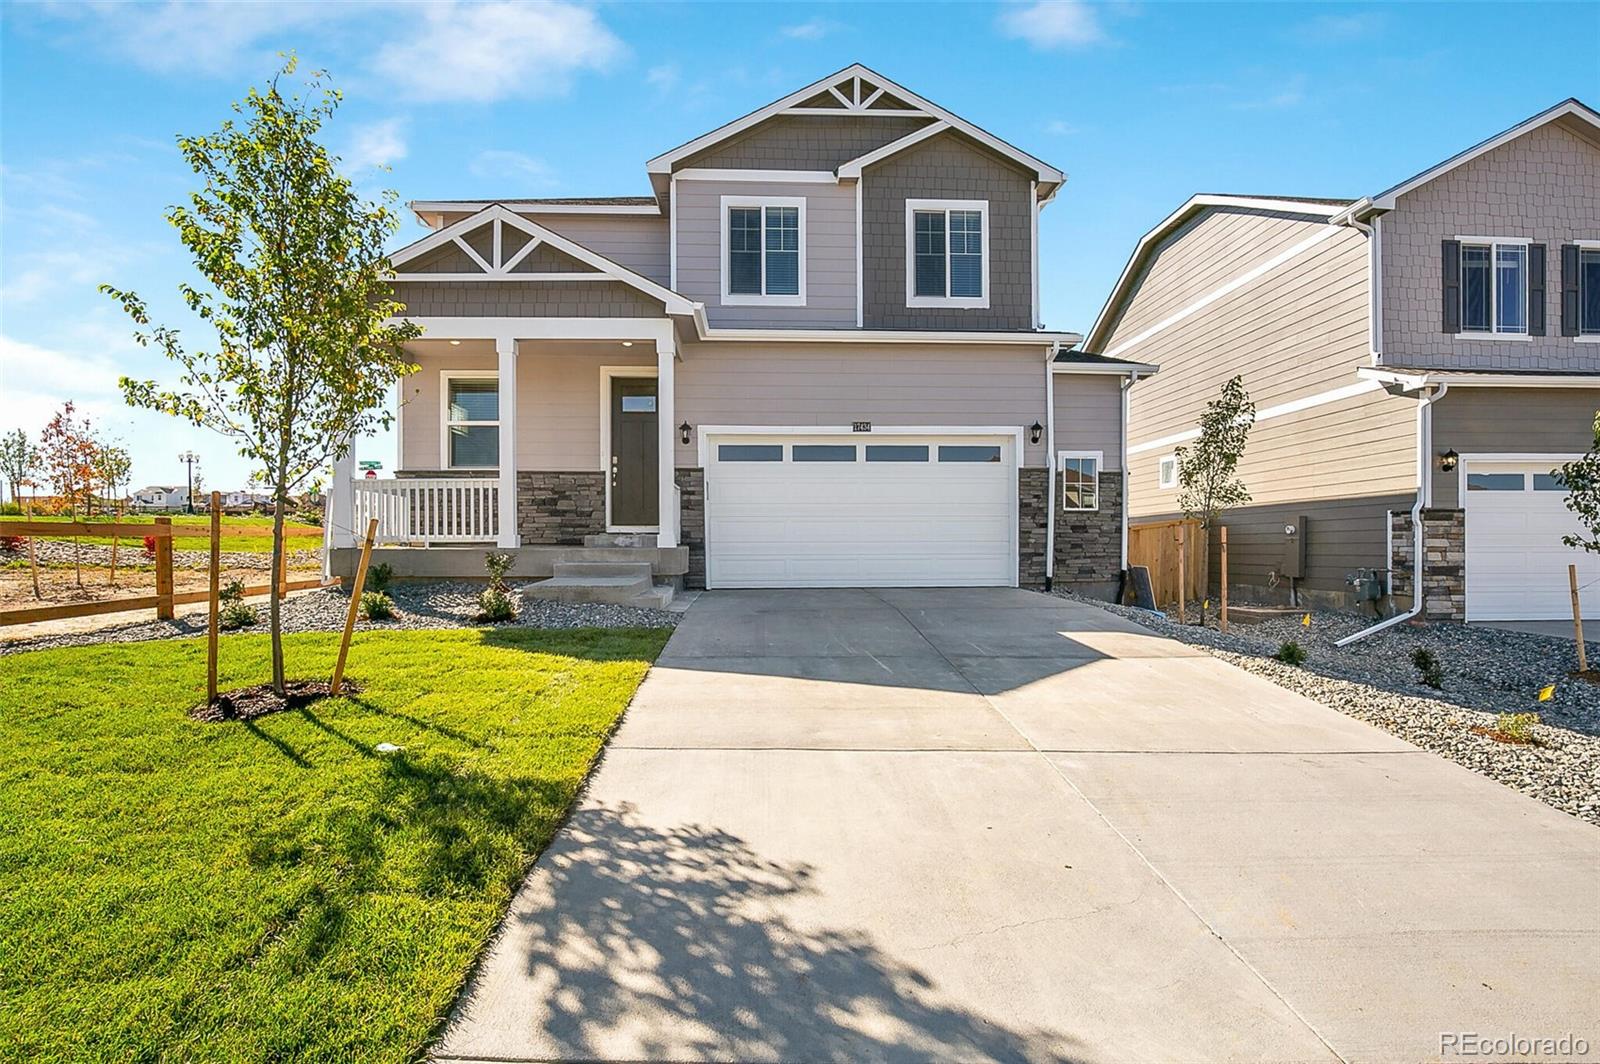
{"x":190,"y":459}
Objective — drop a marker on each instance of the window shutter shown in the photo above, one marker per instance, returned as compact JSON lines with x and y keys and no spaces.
{"x":1535,"y":289}
{"x":1569,"y":290}
{"x":1452,"y":286}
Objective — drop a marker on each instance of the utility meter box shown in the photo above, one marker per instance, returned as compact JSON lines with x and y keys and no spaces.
{"x":1294,"y":548}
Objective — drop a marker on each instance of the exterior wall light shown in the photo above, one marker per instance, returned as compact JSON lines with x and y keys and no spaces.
{"x":1447,"y":460}
{"x":683,"y":432}
{"x":1035,"y":432}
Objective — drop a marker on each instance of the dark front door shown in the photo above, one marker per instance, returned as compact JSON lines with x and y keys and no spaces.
{"x":634,"y":447}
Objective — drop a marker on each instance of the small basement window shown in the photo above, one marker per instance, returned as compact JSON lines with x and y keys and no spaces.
{"x":472,"y":421}
{"x":1080,"y":479}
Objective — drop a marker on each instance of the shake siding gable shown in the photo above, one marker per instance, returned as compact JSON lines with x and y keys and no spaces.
{"x":531,"y":299}
{"x":812,"y":142}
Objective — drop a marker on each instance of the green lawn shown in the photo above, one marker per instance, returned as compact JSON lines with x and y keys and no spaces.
{"x":279,"y":890}
{"x":242,"y":543}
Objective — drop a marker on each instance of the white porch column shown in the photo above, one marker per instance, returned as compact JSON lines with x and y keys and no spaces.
{"x":339,"y":517}
{"x":666,"y":448}
{"x":506,"y":348}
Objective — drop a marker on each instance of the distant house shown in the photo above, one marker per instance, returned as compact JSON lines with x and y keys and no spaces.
{"x":160,"y":497}
{"x":242,"y":501}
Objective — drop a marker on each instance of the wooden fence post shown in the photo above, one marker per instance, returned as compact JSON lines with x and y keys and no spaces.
{"x":115,"y":539}
{"x":164,"y":611}
{"x":216,"y":597}
{"x":1183,"y":582}
{"x":1223,"y":578}
{"x":1577,"y":619}
{"x":355,"y":604}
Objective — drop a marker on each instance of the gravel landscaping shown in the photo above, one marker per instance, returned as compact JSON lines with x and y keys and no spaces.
{"x":96,"y":554}
{"x":441,"y":604}
{"x":1486,"y":671}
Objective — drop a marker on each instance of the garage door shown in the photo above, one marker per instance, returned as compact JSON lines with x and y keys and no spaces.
{"x":860,"y":510}
{"x":1516,"y":562}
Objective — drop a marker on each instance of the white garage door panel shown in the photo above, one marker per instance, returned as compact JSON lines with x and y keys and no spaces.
{"x":1516,"y":563}
{"x":860,"y":524}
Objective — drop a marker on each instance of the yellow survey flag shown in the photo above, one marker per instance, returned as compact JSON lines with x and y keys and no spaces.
{"x":1305,"y":622}
{"x":1547,"y":693}
{"x":1206,"y":604}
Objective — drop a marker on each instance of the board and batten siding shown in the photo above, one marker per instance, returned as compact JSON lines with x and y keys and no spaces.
{"x":830,"y":253}
{"x":797,"y":384}
{"x":1509,"y":421}
{"x":1544,"y":187}
{"x":1089,"y":416}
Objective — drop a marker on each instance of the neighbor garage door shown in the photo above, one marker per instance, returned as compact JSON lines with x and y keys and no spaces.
{"x":860,"y":510}
{"x":1516,"y":562}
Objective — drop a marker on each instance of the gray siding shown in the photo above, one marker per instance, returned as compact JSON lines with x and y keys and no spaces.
{"x":532,"y":299}
{"x":1089,"y":415}
{"x":1509,"y":421}
{"x":830,"y":254}
{"x":812,"y":142}
{"x":636,"y":241}
{"x":947,"y":166}
{"x":1543,"y":186}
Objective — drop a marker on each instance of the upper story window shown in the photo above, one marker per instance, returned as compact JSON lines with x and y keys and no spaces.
{"x":1494,"y":287}
{"x":471,"y":420}
{"x":763,"y":250}
{"x":947,"y":253}
{"x":1586,"y":258}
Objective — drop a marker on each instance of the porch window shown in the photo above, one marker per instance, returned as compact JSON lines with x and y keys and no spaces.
{"x":763,"y":256}
{"x":947,"y":253}
{"x":471,"y":421}
{"x":1080,"y":479}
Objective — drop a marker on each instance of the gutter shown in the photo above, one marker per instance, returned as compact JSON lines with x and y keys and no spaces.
{"x":1424,"y":496}
{"x":1127,"y":386}
{"x":1050,"y":463}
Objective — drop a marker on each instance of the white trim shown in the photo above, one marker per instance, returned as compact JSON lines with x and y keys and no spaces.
{"x":852,"y":169}
{"x":746,"y":299}
{"x":1590,"y":244}
{"x":668,"y":509}
{"x":1012,"y":432}
{"x":1099,"y":467}
{"x":1161,"y":477}
{"x":1033,"y":257}
{"x":425,"y":207}
{"x":792,"y":177}
{"x":1171,"y":221}
{"x":1411,"y":380}
{"x":861,"y":297}
{"x":1049,"y":464}
{"x":1119,"y":369}
{"x":1493,"y":239}
{"x":979,"y":302}
{"x":1386,"y":200}
{"x":474,"y":256}
{"x":1494,"y":244}
{"x":1497,"y":336}
{"x":663,"y":164}
{"x":1218,"y":293}
{"x":1293,"y":406}
{"x":445,"y":377}
{"x":607,"y":375}
{"x":672,"y":231}
{"x":1586,"y":338}
{"x":506,"y":396}
{"x":569,"y":275}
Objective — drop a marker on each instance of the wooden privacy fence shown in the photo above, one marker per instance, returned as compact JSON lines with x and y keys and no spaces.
{"x":166,"y":596}
{"x":1155,"y":545}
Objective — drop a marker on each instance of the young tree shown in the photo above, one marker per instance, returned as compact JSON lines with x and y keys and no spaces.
{"x":67,"y":451}
{"x":1581,"y":478}
{"x":19,"y":459}
{"x":296,"y":289}
{"x":1208,"y":470}
{"x":111,"y":468}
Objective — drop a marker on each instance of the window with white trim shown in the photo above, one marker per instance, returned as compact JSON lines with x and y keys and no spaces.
{"x":1589,"y":291}
{"x":1167,"y":471}
{"x":471,"y":421}
{"x":1080,"y":479}
{"x":947,"y":253}
{"x":1494,"y":287}
{"x":763,"y":250}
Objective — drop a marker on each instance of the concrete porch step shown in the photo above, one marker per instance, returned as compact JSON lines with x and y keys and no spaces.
{"x":620,"y":539}
{"x":658,"y":597}
{"x":613,"y":589}
{"x":601,"y":568}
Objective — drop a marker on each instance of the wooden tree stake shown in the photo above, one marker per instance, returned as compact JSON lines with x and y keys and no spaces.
{"x":283,"y":566}
{"x":1577,"y":619}
{"x":216,"y":597}
{"x":164,"y":569}
{"x":355,"y":604}
{"x":115,"y":539}
{"x":1223,"y":621}
{"x":1183,"y":583}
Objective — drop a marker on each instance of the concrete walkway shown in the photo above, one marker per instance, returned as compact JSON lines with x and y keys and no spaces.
{"x":989,"y":824}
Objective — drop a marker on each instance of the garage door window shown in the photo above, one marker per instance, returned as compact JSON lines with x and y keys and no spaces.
{"x":1547,"y":482}
{"x":968,"y":453}
{"x":897,"y":452}
{"x":824,"y":452}
{"x":1494,"y":482}
{"x":750,"y":452}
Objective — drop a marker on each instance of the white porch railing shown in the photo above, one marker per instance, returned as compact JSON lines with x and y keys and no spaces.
{"x":428,"y":510}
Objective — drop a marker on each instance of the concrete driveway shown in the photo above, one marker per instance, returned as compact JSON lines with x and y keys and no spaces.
{"x":989,"y":824}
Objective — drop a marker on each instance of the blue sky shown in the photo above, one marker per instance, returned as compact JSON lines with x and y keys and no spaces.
{"x":1142,"y":104}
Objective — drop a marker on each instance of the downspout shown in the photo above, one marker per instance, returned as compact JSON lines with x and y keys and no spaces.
{"x":1424,"y":497}
{"x":1050,"y":463}
{"x":1122,"y":460}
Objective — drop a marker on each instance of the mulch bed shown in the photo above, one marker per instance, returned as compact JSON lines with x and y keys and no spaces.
{"x":248,"y":703}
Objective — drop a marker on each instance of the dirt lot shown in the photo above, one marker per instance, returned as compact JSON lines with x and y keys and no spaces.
{"x":59,"y":583}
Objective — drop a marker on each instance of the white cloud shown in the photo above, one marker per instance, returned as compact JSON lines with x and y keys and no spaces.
{"x":810,"y":30}
{"x":376,"y":144}
{"x":497,"y":162}
{"x":213,"y":37}
{"x":491,"y":51}
{"x":664,"y":78}
{"x":1050,"y":24}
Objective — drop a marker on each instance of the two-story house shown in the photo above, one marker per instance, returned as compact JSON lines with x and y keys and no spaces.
{"x":1430,"y":351}
{"x":156,"y":497}
{"x":813,"y":356}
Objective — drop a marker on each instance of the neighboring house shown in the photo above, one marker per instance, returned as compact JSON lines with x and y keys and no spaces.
{"x":160,"y":497}
{"x":812,"y":357}
{"x":241,"y":501}
{"x":1449,"y":324}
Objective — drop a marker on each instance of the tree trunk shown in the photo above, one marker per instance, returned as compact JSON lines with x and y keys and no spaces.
{"x":275,"y":604}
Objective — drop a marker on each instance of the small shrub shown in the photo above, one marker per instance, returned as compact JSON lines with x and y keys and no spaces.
{"x":311,"y":517}
{"x":1291,"y":653}
{"x":376,"y":606}
{"x":13,"y":544}
{"x":496,"y":604}
{"x":1516,"y":727}
{"x":10,"y":509}
{"x":380,"y":576}
{"x":1428,"y":666}
{"x":149,"y":546}
{"x":497,"y":564}
{"x":235,"y":614}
